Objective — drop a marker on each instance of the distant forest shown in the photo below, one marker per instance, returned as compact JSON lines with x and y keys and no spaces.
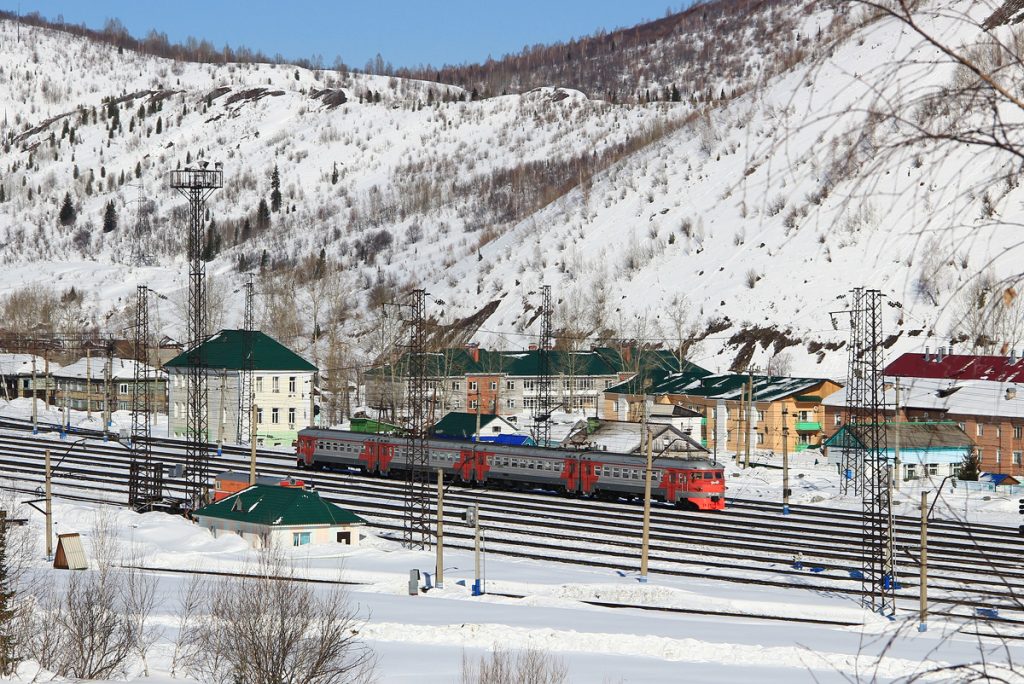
{"x":648,"y":62}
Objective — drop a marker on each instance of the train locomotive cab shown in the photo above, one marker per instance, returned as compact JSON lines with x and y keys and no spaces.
{"x":705,"y":487}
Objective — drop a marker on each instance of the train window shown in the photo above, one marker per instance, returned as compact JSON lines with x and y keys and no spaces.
{"x":718,"y":474}
{"x":615,"y":472}
{"x":696,"y":476}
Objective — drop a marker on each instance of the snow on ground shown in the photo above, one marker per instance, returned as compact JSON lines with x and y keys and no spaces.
{"x":423,"y":638}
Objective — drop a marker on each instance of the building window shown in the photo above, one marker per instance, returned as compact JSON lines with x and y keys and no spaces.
{"x":259,"y":415}
{"x":980,"y":428}
{"x":1016,"y":457}
{"x":933,"y":469}
{"x":291,"y":416}
{"x":123,"y":406}
{"x":510,"y":403}
{"x":259,"y":383}
{"x":494,"y":385}
{"x":911,"y":471}
{"x":529,"y":384}
{"x":999,"y":431}
{"x":473,"y":403}
{"x":510,"y":384}
{"x":275,"y":416}
{"x":291,"y":384}
{"x":804,"y":417}
{"x":275,"y":384}
{"x":999,"y":456}
{"x":472,"y":386}
{"x":963,"y":426}
{"x":1017,"y":429}
{"x":838,"y":419}
{"x":300,"y":538}
{"x":760,"y":438}
{"x":455,"y":386}
{"x":760,"y":417}
{"x":122,"y":388}
{"x":457,"y":403}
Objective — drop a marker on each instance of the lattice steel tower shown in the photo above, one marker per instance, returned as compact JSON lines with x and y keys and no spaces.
{"x":852,"y":458}
{"x":418,"y":505}
{"x":542,"y":415}
{"x":248,"y":366}
{"x":139,"y":255}
{"x":145,"y":478}
{"x":196,"y":185}
{"x":878,"y":549}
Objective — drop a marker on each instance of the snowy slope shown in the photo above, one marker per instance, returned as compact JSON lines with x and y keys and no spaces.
{"x":746,"y":225}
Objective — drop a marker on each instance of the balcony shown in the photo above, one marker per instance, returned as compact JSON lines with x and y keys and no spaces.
{"x":808,"y":426}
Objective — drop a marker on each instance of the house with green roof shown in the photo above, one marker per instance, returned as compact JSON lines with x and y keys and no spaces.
{"x":274,"y":516}
{"x":736,"y":408}
{"x":284,"y":386}
{"x":478,"y":427}
{"x":509,"y":382}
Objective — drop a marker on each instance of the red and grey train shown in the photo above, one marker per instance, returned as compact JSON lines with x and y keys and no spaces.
{"x":694,"y":481}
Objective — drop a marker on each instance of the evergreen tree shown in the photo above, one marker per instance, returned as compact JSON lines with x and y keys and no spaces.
{"x":263,"y":215}
{"x":159,"y":125}
{"x":3,"y":194}
{"x":676,"y":97}
{"x":275,"y":190}
{"x":970,"y":467}
{"x":246,"y":230}
{"x":138,"y":169}
{"x":110,"y":218}
{"x":67,"y":211}
{"x":334,"y":174}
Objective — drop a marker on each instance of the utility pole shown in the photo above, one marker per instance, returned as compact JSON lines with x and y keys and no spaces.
{"x":107,"y":371}
{"x":48,"y":508}
{"x":646,"y":535}
{"x":35,"y":414}
{"x":896,"y":446}
{"x":220,"y":412}
{"x":439,"y":566}
{"x":88,"y":383}
{"x":750,"y":411}
{"x":473,"y":512}
{"x":739,"y":427}
{"x":923,"y":626}
{"x":785,"y":460}
{"x":252,"y":445}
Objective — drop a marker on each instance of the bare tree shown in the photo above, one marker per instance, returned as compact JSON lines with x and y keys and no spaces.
{"x":268,"y":628}
{"x":527,"y":666}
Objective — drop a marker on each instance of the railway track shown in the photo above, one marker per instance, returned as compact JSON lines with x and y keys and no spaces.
{"x":720,"y":546}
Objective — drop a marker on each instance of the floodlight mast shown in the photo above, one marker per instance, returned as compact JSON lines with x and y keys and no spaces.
{"x":196,"y":185}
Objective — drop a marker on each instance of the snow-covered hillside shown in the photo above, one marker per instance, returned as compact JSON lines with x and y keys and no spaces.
{"x":741,"y":224}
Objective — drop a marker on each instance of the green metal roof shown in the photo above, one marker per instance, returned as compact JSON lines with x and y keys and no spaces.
{"x":722,"y":386}
{"x":923,"y":436}
{"x":459,"y":425}
{"x":226,"y":349}
{"x":279,"y":506}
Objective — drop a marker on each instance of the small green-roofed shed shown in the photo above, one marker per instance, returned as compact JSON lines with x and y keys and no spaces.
{"x":264,"y":514}
{"x":226,"y":349}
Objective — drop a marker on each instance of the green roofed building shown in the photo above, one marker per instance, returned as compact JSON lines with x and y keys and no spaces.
{"x":507,"y":382}
{"x":271,"y":515}
{"x":283,"y":387}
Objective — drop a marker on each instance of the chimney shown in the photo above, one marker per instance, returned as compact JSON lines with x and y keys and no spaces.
{"x":1013,"y":356}
{"x":1011,"y":392}
{"x":533,"y":347}
{"x":474,"y":350}
{"x":938,"y":357}
{"x":927,"y":353}
{"x":627,"y":353}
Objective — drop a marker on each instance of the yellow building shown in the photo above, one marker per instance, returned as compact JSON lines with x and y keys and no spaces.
{"x":727,"y":412}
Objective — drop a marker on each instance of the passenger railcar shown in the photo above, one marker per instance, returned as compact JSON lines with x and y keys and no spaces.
{"x":599,"y":473}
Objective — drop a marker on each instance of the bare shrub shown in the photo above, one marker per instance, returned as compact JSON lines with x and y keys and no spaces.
{"x":261,"y":629}
{"x":528,"y":666}
{"x":752,"y":278}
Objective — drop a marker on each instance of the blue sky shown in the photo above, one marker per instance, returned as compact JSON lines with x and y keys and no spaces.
{"x":405,"y":32}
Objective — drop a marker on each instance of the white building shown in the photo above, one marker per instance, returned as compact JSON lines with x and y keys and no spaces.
{"x":283,"y":389}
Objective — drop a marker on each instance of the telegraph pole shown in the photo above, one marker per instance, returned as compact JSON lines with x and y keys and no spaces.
{"x":48,"y":507}
{"x":35,"y":415}
{"x":646,"y":535}
{"x":923,"y":626}
{"x":439,"y":565}
{"x":750,"y":410}
{"x":88,"y":383}
{"x":785,"y":460}
{"x":896,"y":447}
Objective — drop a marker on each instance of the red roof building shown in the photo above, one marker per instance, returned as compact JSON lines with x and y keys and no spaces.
{"x":958,"y":367}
